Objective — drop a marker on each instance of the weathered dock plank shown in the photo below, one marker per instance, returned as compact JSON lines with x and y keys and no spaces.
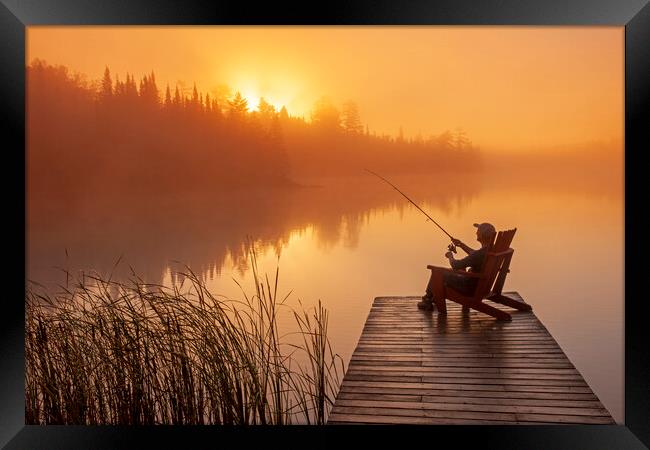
{"x":416,"y":367}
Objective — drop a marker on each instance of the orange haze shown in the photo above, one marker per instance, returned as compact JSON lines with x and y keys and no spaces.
{"x":510,"y":88}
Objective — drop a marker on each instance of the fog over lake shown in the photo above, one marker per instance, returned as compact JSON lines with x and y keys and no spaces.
{"x":346,"y":240}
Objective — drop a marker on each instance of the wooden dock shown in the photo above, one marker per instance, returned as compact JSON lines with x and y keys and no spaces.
{"x":415,"y":367}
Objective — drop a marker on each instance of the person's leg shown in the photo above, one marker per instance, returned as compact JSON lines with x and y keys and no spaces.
{"x":427,"y":299}
{"x":429,"y":289}
{"x":435,"y":292}
{"x":439,"y":294}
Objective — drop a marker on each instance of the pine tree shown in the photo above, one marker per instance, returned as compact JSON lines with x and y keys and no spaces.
{"x":444,"y":140}
{"x":460,"y":139}
{"x":284,"y":115}
{"x":131,"y":90}
{"x":195,"y":97}
{"x":216,"y":109}
{"x":177,"y":97}
{"x":154,"y":95}
{"x":107,"y":86}
{"x":118,"y":91}
{"x":266,"y":109}
{"x":325,"y":115}
{"x":266,"y":113}
{"x":149,"y":90}
{"x":238,"y":107}
{"x":208,"y":104}
{"x":351,"y":118}
{"x":168,"y":97}
{"x":277,"y":143}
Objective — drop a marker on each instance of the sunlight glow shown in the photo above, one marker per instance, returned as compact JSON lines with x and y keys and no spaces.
{"x":535,"y":93}
{"x":252,"y":98}
{"x":278,"y":88}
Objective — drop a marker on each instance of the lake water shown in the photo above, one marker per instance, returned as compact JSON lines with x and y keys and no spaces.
{"x":347,"y":240}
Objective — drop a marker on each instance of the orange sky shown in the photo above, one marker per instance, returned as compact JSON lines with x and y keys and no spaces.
{"x":509,"y":88}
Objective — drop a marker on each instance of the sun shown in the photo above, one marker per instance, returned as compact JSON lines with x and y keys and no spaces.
{"x":251,"y":97}
{"x":277,"y":92}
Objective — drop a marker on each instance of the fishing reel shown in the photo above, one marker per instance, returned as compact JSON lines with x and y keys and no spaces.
{"x":451,"y":248}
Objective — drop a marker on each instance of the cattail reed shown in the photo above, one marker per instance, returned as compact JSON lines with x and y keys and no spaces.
{"x":131,"y":353}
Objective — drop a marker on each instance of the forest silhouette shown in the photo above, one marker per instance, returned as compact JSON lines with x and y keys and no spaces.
{"x":122,"y":136}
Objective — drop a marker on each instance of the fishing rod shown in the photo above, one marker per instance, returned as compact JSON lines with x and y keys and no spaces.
{"x":452,"y":247}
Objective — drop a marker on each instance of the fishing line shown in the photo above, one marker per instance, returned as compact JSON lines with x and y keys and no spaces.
{"x":413,"y":203}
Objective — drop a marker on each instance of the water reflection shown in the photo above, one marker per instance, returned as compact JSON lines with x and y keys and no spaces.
{"x":348,"y":240}
{"x":205,"y":231}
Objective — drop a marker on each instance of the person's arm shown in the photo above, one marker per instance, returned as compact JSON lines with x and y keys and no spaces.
{"x":467,"y":249}
{"x":463,"y":263}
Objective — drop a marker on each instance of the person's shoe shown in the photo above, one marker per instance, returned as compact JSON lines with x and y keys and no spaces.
{"x":426,"y":304}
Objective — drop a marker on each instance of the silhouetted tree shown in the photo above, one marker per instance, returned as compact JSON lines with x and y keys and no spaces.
{"x":119,"y":87}
{"x":107,"y":86}
{"x":444,"y":140}
{"x":265,"y":109}
{"x":352,"y":118}
{"x":216,"y":110}
{"x":325,"y":115}
{"x":266,"y":113}
{"x":130,"y":91}
{"x":168,"y":97}
{"x":208,"y":104}
{"x":177,"y":98}
{"x":460,"y":139}
{"x":284,"y":115}
{"x":221,"y":94}
{"x":276,"y":139}
{"x":238,"y":107}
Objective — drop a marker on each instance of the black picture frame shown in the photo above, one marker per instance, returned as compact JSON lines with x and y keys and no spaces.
{"x":16,"y":15}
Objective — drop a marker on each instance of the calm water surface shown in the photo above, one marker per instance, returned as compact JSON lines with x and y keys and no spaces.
{"x":346,"y":241}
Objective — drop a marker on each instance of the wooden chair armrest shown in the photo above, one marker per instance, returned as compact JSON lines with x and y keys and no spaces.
{"x":459,"y":272}
{"x":443,"y":269}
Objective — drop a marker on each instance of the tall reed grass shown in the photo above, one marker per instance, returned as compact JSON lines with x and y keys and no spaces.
{"x":107,"y":352}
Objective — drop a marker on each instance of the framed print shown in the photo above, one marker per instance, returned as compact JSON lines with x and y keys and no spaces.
{"x":249,"y":222}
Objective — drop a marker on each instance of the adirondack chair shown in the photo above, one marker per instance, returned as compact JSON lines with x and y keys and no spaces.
{"x":490,"y":281}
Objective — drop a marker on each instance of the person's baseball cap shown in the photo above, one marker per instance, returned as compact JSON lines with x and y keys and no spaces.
{"x":485,"y":229}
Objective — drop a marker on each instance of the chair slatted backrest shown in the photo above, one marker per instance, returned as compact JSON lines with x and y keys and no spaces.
{"x":498,"y":252}
{"x":503,"y":241}
{"x":505,"y":264}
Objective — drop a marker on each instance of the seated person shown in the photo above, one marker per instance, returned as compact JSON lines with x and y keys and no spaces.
{"x":457,"y":281}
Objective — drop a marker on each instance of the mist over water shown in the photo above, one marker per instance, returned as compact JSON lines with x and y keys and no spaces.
{"x":346,"y":240}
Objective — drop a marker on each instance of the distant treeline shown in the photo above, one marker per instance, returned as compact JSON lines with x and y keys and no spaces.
{"x":125,"y":136}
